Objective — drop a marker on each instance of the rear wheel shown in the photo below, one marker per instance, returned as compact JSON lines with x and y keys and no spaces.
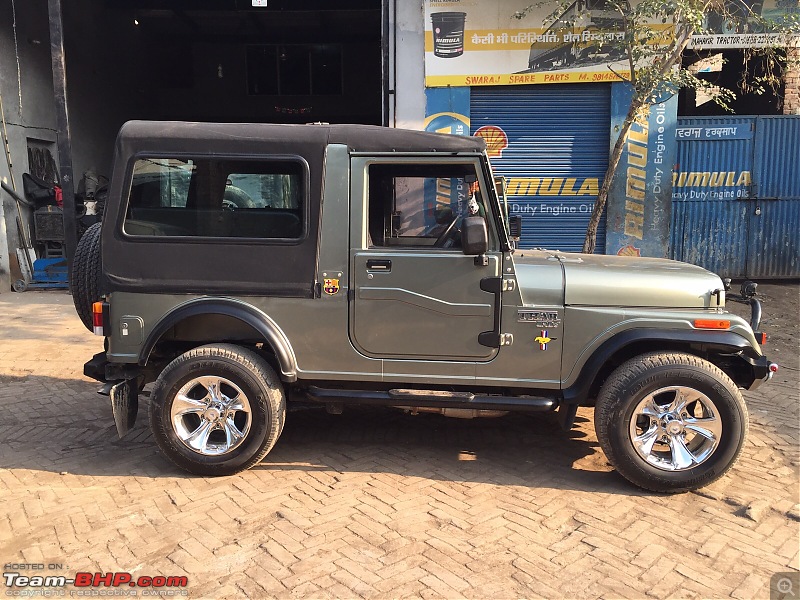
{"x":670,"y":422}
{"x":217,"y":410}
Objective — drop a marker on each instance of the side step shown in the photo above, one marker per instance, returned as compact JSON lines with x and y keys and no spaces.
{"x":433,"y":398}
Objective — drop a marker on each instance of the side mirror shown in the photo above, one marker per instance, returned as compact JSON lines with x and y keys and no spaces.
{"x":474,"y":236}
{"x":515,"y":227}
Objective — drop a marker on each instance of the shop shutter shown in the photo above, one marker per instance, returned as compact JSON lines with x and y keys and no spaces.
{"x":551,"y":143}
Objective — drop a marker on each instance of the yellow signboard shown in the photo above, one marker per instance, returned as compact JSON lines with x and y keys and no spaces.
{"x":482,"y":42}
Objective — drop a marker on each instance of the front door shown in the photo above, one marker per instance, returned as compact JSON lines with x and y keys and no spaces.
{"x":416,"y":294}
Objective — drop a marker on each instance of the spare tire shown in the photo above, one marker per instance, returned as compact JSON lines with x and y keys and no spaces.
{"x":87,"y":269}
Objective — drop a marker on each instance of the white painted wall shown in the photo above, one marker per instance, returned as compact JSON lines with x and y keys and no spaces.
{"x":409,"y":81}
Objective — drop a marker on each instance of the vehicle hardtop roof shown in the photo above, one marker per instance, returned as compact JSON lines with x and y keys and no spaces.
{"x":137,"y":137}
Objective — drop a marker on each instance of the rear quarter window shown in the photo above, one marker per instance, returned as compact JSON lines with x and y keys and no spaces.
{"x":218,"y":198}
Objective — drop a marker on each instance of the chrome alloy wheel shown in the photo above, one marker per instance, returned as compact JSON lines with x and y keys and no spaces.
{"x":211,"y":415}
{"x":675,"y":428}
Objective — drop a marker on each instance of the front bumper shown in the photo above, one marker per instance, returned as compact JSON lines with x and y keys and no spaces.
{"x":763,"y":370}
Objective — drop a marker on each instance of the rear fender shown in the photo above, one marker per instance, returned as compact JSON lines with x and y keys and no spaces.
{"x":248,"y":314}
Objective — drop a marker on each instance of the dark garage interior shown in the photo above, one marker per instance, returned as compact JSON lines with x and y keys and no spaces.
{"x":291,"y":61}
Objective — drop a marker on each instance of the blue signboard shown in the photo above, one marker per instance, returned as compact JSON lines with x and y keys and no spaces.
{"x":715,"y":132}
{"x":639,"y":202}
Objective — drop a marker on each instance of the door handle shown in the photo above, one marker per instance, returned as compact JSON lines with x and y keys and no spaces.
{"x":383,"y":266}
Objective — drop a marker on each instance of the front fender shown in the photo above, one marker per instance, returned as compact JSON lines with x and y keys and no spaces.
{"x":723,"y":342}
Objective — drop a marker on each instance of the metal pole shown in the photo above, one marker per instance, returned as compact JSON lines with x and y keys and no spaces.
{"x":62,"y":118}
{"x":385,"y":63}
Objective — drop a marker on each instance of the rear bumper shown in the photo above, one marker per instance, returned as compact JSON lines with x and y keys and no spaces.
{"x":103,"y":370}
{"x":96,"y":367}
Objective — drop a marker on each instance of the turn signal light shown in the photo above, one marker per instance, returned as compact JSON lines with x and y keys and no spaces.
{"x":97,"y":318}
{"x":761,"y":338}
{"x":712,"y":324}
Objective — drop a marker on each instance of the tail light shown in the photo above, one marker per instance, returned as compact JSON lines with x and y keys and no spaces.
{"x":99,"y":317}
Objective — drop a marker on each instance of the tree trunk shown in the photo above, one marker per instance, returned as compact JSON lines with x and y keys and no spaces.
{"x":590,"y":241}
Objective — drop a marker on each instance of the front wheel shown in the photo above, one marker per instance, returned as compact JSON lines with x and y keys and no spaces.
{"x":670,"y":422}
{"x":217,"y":410}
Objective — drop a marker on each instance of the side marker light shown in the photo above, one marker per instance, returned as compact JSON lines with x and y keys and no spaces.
{"x":712,"y":324}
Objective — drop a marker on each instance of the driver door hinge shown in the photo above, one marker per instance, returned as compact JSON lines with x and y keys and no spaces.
{"x":509,"y":285}
{"x":506,"y":339}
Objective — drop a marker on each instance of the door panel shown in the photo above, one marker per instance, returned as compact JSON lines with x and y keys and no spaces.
{"x":421,"y":304}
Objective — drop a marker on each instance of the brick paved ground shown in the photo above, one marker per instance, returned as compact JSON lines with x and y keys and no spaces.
{"x":377,"y":504}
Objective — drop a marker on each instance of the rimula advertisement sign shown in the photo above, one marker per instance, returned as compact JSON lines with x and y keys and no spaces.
{"x":477,"y":42}
{"x":639,"y":204}
{"x":482,"y":42}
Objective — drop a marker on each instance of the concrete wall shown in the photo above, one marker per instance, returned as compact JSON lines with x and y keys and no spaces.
{"x":410,"y":65}
{"x":94,"y":75}
{"x":29,"y":111}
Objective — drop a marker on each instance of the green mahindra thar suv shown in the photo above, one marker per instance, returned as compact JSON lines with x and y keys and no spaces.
{"x":243,"y":267}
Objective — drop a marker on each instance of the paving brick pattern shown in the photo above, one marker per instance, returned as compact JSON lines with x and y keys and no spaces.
{"x":378,"y":504}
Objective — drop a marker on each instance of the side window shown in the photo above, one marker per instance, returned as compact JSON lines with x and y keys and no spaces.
{"x":224,"y":198}
{"x":421,"y":206}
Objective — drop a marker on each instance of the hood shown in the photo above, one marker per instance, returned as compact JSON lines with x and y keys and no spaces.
{"x":600,"y":280}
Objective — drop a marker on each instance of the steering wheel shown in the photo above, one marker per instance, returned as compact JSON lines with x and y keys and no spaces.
{"x":448,"y":231}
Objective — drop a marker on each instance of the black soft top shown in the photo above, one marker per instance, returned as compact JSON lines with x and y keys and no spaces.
{"x":242,"y":138}
{"x":191,"y":265}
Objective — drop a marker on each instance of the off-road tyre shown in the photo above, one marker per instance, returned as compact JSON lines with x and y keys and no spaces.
{"x":245,"y":369}
{"x":86,"y":273}
{"x":631,"y":383}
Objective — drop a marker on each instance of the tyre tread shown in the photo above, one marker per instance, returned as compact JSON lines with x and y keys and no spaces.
{"x":258,"y":367}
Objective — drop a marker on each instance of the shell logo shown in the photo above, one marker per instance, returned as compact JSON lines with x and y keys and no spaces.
{"x":495,"y":138}
{"x":629,"y":250}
